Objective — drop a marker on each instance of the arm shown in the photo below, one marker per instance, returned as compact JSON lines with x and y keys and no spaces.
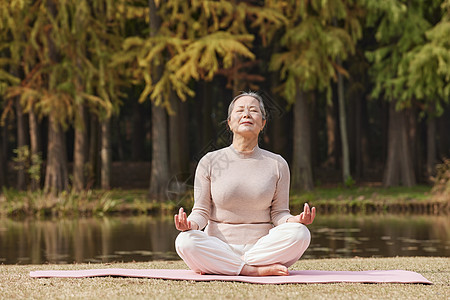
{"x":202,"y":200}
{"x":280,"y":204}
{"x":279,"y":211}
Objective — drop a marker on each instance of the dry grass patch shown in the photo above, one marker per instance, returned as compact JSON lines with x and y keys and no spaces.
{"x":16,"y":283}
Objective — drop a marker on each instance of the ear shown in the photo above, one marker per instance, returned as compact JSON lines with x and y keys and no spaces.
{"x":263,"y":124}
{"x":228,"y":124}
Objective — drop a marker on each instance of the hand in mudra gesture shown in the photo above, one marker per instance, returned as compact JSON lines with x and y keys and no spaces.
{"x":306,"y":217}
{"x":181,"y":222}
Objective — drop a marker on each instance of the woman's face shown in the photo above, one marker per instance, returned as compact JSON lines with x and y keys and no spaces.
{"x":246,"y":117}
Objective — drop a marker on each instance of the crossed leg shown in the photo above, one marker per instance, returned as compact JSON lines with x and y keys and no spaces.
{"x":270,"y":255}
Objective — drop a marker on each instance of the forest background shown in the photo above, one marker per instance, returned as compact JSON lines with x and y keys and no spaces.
{"x":132,"y":93}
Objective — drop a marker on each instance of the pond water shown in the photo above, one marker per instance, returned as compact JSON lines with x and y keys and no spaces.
{"x":143,"y":238}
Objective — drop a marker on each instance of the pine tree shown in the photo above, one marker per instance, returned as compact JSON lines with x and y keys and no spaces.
{"x":313,"y":43}
{"x":64,"y":67}
{"x":196,"y":40}
{"x":400,"y":30}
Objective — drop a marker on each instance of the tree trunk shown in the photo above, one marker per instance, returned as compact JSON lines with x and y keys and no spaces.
{"x":56,"y":175}
{"x":35,"y":146}
{"x":178,"y":149}
{"x":444,"y":136}
{"x":118,"y":138}
{"x":80,"y":152}
{"x":3,"y":166}
{"x":2,"y":170}
{"x":160,"y":160}
{"x":206,"y":108}
{"x":314,"y":127}
{"x":399,"y":168}
{"x":343,"y":129}
{"x":301,"y":167}
{"x":138,"y":134}
{"x":105,"y":154}
{"x":178,"y":137}
{"x":431,"y":147}
{"x":21,"y":143}
{"x":92,"y":177}
{"x":279,"y":127}
{"x":331,"y":136}
{"x":362,"y":157}
{"x":417,"y":156}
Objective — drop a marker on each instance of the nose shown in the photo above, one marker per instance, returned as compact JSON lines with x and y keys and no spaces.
{"x":246,"y":112}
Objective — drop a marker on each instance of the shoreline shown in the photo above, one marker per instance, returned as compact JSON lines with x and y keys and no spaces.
{"x":362,"y":200}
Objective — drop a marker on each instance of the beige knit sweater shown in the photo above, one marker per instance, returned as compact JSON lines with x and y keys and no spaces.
{"x":240,"y":196}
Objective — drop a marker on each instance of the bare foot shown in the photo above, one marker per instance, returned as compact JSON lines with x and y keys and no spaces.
{"x":275,"y":269}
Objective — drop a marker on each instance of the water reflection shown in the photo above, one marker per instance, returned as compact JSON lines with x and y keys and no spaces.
{"x":379,"y":236}
{"x":147,"y":238}
{"x":86,"y":240}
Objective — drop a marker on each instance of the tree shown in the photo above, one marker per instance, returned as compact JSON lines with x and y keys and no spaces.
{"x":178,"y":138}
{"x":65,"y":69}
{"x":194,"y":41}
{"x":401,"y":27}
{"x":307,"y":63}
{"x":427,"y":78}
{"x":14,"y":23}
{"x":357,"y":92}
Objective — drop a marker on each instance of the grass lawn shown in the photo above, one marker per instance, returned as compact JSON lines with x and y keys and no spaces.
{"x":16,"y":283}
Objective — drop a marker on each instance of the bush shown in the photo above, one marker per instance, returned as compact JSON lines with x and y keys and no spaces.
{"x":441,"y":188}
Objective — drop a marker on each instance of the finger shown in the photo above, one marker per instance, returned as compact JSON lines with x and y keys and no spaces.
{"x":302,"y":217}
{"x":182,"y":215}
{"x":177,"y":223}
{"x":307,"y":209}
{"x":313,"y":214}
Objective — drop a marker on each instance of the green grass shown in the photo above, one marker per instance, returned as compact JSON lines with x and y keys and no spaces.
{"x":419,"y":192}
{"x":418,"y":199}
{"x":15,"y":203}
{"x":16,"y":283}
{"x":98,"y":203}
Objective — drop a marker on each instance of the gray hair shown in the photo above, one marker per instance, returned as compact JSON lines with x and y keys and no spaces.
{"x":250,"y":94}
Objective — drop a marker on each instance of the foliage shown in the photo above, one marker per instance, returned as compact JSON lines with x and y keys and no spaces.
{"x":62,"y":65}
{"x":317,"y":34}
{"x":349,"y":182}
{"x":441,"y":188}
{"x":427,"y":74}
{"x":31,"y":163}
{"x":196,"y":40}
{"x":411,"y":60}
{"x":56,"y":56}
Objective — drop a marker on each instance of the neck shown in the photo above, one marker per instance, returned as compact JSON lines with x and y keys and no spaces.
{"x":242,"y":144}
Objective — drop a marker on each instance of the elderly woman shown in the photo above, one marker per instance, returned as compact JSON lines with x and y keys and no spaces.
{"x":241,"y":195}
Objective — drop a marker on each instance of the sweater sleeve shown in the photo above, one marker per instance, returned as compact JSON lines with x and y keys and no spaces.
{"x":202,"y":194}
{"x":279,"y":212}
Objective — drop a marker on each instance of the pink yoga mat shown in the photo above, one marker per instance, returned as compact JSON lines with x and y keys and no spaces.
{"x":375,"y":276}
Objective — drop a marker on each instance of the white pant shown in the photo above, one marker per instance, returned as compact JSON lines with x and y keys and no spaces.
{"x":284,"y":244}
